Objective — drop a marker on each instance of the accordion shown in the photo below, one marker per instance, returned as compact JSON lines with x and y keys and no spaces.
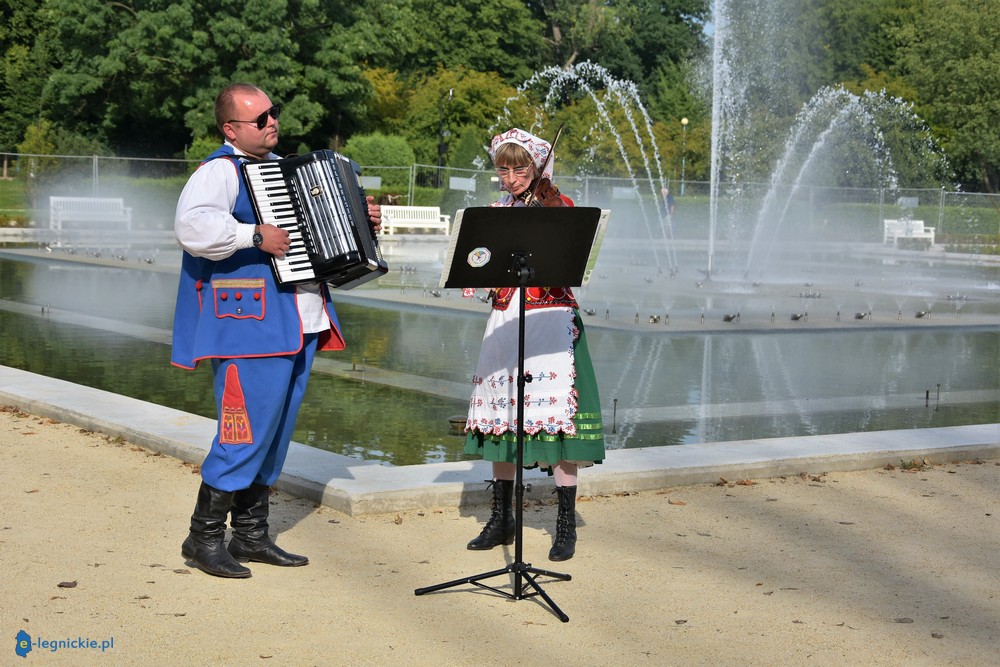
{"x":318,"y":199}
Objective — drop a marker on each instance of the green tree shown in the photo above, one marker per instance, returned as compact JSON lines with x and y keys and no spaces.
{"x":468,"y":150}
{"x":140,"y":77}
{"x":498,"y":36}
{"x":674,"y":95}
{"x":632,"y":39}
{"x":23,"y":71}
{"x":390,"y":100}
{"x":379,"y":150}
{"x":201,"y":148}
{"x":144,"y":75}
{"x":39,"y":142}
{"x":453,"y":100}
{"x":950,"y":55}
{"x":860,"y":39}
{"x":576,"y":30}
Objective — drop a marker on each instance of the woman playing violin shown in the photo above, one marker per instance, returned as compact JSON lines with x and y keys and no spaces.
{"x":562,"y":416}
{"x":524,"y":168}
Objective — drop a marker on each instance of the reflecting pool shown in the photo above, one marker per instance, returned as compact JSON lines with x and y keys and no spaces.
{"x":410,"y":353}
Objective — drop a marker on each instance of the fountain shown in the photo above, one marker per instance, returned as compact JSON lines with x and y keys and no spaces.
{"x":608,"y":95}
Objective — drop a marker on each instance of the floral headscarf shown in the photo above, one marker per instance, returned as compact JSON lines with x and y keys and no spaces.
{"x":538,"y":148}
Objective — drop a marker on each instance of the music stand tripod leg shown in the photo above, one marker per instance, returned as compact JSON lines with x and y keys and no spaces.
{"x":522,"y":571}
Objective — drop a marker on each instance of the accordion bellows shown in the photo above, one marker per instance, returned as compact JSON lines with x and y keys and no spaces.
{"x":318,"y":199}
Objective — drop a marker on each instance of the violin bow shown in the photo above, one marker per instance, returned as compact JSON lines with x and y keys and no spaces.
{"x":548,"y":161}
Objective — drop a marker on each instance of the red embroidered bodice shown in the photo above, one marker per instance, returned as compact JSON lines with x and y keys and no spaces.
{"x":535,"y":297}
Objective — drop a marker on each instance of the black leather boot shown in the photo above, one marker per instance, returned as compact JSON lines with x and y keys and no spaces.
{"x":565,"y":543}
{"x":500,"y":527}
{"x":204,"y":544}
{"x":250,"y":539}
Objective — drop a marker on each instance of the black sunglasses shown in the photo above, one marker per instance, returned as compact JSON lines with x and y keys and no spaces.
{"x":261,"y":120}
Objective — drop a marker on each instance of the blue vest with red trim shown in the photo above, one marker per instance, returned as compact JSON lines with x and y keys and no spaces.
{"x":234,"y":307}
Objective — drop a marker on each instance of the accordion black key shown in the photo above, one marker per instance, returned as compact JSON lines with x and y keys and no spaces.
{"x":318,"y":199}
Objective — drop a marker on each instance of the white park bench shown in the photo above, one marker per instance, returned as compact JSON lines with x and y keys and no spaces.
{"x":395,"y":218}
{"x":89,"y":214}
{"x":894,"y":230}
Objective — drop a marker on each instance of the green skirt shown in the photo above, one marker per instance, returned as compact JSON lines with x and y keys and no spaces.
{"x":547,"y":450}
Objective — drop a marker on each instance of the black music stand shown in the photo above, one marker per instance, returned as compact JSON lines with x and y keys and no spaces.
{"x":521,"y":247}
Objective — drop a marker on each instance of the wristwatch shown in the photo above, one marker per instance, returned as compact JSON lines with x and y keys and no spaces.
{"x":258,"y":238}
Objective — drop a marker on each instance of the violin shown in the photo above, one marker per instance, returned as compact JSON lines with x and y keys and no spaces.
{"x":542,"y":192}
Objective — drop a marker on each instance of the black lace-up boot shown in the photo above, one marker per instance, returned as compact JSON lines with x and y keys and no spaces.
{"x":500,"y":527}
{"x":564,"y":545}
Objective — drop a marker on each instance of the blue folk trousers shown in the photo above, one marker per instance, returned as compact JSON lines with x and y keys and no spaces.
{"x":258,"y":400}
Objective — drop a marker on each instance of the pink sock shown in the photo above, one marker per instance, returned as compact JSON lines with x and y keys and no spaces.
{"x":565,"y":473}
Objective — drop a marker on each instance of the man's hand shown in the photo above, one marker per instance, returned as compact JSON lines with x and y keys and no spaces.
{"x":275,"y":240}
{"x":374,"y":214}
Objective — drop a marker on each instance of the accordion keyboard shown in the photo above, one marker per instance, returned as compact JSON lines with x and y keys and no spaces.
{"x":275,"y":207}
{"x":318,"y":199}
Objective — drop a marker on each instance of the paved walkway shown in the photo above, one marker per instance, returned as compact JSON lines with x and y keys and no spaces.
{"x":890,"y":566}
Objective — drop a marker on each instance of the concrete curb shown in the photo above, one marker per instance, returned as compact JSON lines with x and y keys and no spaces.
{"x":358,"y":487}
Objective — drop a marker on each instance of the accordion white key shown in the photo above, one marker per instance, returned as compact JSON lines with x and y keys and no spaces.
{"x":318,"y":199}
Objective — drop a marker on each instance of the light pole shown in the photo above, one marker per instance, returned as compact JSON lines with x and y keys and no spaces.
{"x":442,"y":146}
{"x":684,"y":136}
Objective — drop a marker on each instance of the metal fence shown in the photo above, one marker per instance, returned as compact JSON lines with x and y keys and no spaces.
{"x":151,"y":187}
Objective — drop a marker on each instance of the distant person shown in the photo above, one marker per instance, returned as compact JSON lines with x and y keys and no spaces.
{"x":563,"y":430}
{"x":260,"y":337}
{"x":670,"y":205}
